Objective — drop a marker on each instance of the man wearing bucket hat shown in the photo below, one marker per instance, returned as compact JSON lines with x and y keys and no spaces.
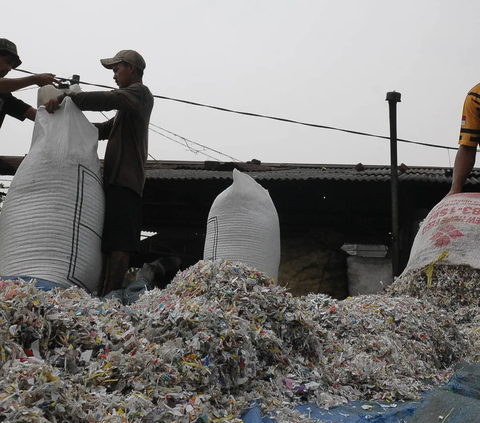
{"x":10,"y":105}
{"x":125,"y":157}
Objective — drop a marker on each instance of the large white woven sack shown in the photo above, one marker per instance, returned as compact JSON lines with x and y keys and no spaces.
{"x":453,"y":226}
{"x":52,"y":220}
{"x":243,"y":226}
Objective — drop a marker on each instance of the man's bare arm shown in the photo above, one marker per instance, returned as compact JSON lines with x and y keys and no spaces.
{"x":30,"y":114}
{"x":464,"y":162}
{"x":9,"y":85}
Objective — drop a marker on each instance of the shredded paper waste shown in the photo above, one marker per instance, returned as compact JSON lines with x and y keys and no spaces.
{"x":222,"y":337}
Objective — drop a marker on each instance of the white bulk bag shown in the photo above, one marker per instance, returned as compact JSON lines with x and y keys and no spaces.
{"x":52,"y":220}
{"x":243,"y":226}
{"x":453,"y":225}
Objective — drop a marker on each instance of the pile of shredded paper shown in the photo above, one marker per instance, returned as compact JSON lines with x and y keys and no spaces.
{"x":222,"y":337}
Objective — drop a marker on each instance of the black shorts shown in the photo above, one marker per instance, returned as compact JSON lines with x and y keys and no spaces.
{"x":123,"y":220}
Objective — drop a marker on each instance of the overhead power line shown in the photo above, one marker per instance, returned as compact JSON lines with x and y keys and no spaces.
{"x":184,"y":144}
{"x":296,"y":122}
{"x":186,"y":141}
{"x":314,"y":125}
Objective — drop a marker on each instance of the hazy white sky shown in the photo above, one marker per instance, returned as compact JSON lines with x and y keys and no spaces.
{"x":319,"y":61}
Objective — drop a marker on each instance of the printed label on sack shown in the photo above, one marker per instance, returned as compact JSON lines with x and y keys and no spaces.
{"x":453,"y":225}
{"x":460,"y":211}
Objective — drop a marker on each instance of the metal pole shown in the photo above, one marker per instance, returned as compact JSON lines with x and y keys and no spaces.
{"x":393,"y":98}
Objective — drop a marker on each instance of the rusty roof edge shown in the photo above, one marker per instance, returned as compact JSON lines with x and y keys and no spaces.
{"x":287,"y":165}
{"x":196,"y":164}
{"x":177,"y":169}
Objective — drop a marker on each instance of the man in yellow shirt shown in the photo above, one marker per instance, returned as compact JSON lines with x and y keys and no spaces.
{"x":469,"y":139}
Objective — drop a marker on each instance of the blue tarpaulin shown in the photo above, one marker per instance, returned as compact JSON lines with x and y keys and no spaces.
{"x":456,"y":402}
{"x":348,"y":413}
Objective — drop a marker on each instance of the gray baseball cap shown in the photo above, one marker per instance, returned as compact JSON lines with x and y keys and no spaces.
{"x":7,"y":45}
{"x":128,"y":56}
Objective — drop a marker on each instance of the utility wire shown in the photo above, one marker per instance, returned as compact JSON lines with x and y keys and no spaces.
{"x":296,"y":122}
{"x":186,"y":140}
{"x":183,"y":145}
{"x":153,"y":158}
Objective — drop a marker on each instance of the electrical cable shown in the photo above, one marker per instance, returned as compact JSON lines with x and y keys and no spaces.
{"x":186,"y":140}
{"x":183,"y":145}
{"x":296,"y":122}
{"x":153,"y":158}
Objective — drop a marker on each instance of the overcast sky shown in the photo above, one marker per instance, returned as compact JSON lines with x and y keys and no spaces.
{"x":324,"y":62}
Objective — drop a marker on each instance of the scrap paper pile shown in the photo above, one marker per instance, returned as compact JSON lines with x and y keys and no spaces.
{"x":219,"y":337}
{"x":453,"y":289}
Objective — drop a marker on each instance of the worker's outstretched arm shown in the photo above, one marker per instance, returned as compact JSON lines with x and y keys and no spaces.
{"x":464,"y":161}
{"x":30,"y":114}
{"x":9,"y":85}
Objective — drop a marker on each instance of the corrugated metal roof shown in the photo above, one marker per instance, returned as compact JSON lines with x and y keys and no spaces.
{"x":272,"y":171}
{"x":186,"y":170}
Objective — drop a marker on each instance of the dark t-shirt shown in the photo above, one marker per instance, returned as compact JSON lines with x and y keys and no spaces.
{"x":127,"y":132}
{"x":12,"y":106}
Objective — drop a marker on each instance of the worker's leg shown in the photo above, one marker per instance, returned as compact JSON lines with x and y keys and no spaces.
{"x":121,"y":233}
{"x":117,"y":265}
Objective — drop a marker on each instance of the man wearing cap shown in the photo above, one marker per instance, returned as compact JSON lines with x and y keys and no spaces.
{"x":125,"y":157}
{"x":9,"y":105}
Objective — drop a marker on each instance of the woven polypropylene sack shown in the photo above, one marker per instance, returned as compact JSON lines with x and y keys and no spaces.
{"x":243,"y":226}
{"x":453,"y":225}
{"x":52,"y":219}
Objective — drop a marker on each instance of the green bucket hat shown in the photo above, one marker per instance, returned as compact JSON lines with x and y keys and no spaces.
{"x":7,"y":45}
